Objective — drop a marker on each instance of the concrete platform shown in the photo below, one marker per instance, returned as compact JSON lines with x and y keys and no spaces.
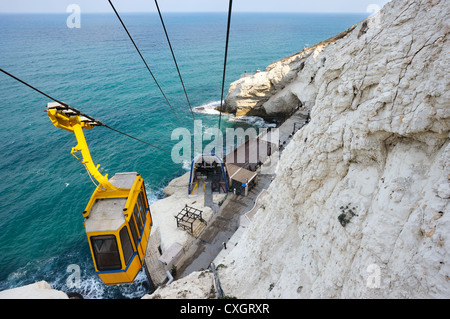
{"x":221,"y":229}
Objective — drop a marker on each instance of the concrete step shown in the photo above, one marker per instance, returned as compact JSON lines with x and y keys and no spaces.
{"x":198,"y":228}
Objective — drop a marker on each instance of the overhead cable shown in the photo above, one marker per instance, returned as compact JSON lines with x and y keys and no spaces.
{"x":145,"y":62}
{"x":230,"y":7}
{"x":174,"y":59}
{"x":77,"y":112}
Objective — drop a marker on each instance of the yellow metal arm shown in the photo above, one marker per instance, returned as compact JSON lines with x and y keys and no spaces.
{"x":74,"y":123}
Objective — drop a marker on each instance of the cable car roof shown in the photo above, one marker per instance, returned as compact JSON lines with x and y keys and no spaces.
{"x":107,"y":213}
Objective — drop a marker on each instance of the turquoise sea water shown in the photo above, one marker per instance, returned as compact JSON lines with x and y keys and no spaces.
{"x":95,"y":68}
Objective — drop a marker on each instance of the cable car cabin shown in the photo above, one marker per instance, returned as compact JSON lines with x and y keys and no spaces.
{"x":209,"y":170}
{"x":118,"y":226}
{"x":117,"y":218}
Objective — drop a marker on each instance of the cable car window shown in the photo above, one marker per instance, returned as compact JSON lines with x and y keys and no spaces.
{"x":126,"y":245}
{"x":142,"y":207}
{"x":106,"y":253}
{"x":133,"y":231}
{"x":138,"y":218}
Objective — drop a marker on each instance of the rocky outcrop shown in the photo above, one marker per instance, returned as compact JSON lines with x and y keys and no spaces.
{"x":37,"y":290}
{"x":360,"y":204}
{"x":197,"y":285}
{"x":270,"y":93}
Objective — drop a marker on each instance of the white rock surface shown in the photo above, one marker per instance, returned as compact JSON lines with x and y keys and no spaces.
{"x":282,"y":87}
{"x":378,"y":141}
{"x":197,"y":285}
{"x":38,"y":290}
{"x":377,"y":144}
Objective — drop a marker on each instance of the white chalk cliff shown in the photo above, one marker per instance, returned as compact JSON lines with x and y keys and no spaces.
{"x":359,"y":207}
{"x":378,"y":145}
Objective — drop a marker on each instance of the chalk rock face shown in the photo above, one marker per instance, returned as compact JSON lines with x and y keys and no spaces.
{"x":282,"y":87}
{"x":38,"y":290}
{"x":360,"y":206}
{"x":247,"y":96}
{"x":197,"y":285}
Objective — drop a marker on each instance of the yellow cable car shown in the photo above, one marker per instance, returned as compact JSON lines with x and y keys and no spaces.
{"x":117,"y":218}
